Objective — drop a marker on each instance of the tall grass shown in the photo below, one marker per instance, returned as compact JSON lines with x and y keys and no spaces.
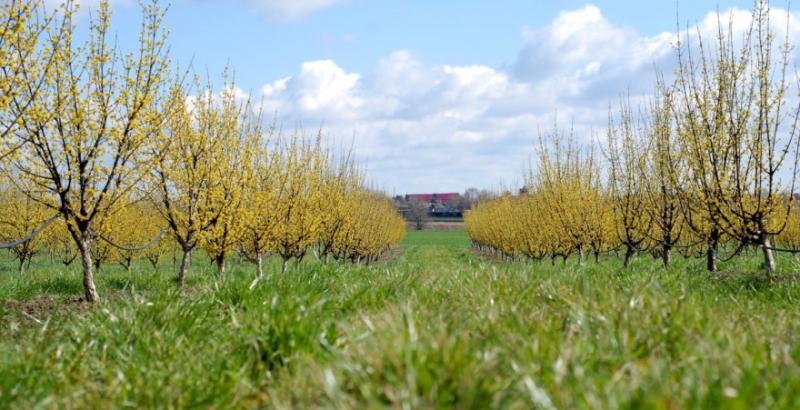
{"x":436,"y":327}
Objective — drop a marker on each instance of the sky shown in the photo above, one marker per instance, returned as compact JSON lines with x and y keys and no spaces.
{"x":436,"y":96}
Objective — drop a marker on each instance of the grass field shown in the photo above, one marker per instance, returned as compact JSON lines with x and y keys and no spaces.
{"x":453,"y":239}
{"x":436,"y":327}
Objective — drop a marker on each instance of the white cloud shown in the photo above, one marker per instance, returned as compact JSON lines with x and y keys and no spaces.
{"x":418,"y":126}
{"x":585,"y":55}
{"x":423,"y":127}
{"x":321,"y":90}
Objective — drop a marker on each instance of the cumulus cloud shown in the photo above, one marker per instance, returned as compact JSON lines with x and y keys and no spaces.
{"x":586,"y":57}
{"x":321,"y":90}
{"x":442,"y":127}
{"x":414,"y":123}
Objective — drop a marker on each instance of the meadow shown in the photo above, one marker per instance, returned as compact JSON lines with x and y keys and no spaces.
{"x":435,"y":327}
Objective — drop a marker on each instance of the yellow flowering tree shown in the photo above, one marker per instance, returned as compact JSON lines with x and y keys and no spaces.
{"x":626,"y":159}
{"x":130,"y":232}
{"x":235,"y":167}
{"x":368,"y":225}
{"x":663,"y":175}
{"x":299,"y":198}
{"x":20,"y":216}
{"x":60,"y":244}
{"x":30,"y":40}
{"x":259,"y":214}
{"x":105,"y":130}
{"x":341,"y":187}
{"x":738,"y":131}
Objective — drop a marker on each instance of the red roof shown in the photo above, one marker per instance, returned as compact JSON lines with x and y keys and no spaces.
{"x":443,"y":197}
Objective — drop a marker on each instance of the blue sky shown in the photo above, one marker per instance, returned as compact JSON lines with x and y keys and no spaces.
{"x":436,"y":95}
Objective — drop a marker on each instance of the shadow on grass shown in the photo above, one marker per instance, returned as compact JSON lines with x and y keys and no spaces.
{"x":62,"y":284}
{"x":738,"y":281}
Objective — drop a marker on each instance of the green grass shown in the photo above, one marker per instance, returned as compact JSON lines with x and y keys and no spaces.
{"x":436,"y":327}
{"x":450,"y":238}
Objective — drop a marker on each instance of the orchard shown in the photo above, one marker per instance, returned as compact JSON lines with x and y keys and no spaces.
{"x":171,"y":240}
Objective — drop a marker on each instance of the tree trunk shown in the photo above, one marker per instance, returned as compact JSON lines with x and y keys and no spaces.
{"x":769,"y":258}
{"x":283,"y":264}
{"x":184,"y":269}
{"x":711,"y":252}
{"x":89,"y":290}
{"x":259,"y":265}
{"x":629,"y":252}
{"x":22,"y":265}
{"x":711,"y":259}
{"x":596,"y":256}
{"x":581,"y":256}
{"x":666,"y":255}
{"x":219,"y":260}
